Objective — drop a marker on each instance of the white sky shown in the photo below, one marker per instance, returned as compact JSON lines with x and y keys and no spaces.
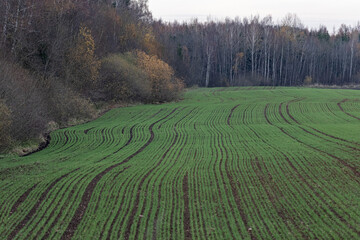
{"x":331,"y":13}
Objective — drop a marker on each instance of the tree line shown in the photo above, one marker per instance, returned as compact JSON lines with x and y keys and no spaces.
{"x":254,"y":51}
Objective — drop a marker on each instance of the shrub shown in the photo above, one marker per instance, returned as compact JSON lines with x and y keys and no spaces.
{"x":5,"y":124}
{"x":164,"y":85}
{"x":122,"y":79}
{"x":308,"y":80}
{"x":64,"y":104}
{"x":21,"y":93}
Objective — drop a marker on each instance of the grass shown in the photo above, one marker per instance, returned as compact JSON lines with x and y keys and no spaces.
{"x":225,"y":163}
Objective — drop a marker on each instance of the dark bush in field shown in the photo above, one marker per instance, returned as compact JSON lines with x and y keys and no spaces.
{"x":122,"y":79}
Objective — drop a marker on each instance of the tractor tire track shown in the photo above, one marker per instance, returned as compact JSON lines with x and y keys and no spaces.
{"x":137,"y":199}
{"x":33,"y":210}
{"x":341,"y":108}
{"x":221,"y":139}
{"x":79,"y":213}
{"x":21,"y":199}
{"x":186,"y":222}
{"x":309,"y":185}
{"x":280,"y":210}
{"x":328,"y":135}
{"x":304,"y":181}
{"x":66,"y":204}
{"x":270,"y":198}
{"x":352,"y":168}
{"x":163,"y":177}
{"x":231,"y":113}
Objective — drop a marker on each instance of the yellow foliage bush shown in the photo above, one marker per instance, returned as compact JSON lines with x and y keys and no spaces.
{"x":139,"y":76}
{"x":164,"y":85}
{"x":122,"y":79}
{"x":308,"y":80}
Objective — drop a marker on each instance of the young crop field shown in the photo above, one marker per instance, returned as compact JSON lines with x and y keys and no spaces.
{"x":224,"y":163}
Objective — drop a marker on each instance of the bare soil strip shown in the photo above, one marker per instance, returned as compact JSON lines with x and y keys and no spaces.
{"x":87,"y":130}
{"x":119,"y":209}
{"x":352,"y":168}
{"x":67,"y":202}
{"x":337,"y":138}
{"x":287,"y":108}
{"x":238,"y":202}
{"x":187,"y":226}
{"x":21,"y":199}
{"x":126,"y":144}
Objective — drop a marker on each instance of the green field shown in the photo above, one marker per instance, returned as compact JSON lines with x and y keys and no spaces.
{"x":224,"y":163}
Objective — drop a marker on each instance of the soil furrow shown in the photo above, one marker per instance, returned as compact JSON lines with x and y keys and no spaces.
{"x":66,"y":204}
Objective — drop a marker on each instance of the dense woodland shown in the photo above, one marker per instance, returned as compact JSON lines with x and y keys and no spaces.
{"x":59,"y":59}
{"x":254,"y":51}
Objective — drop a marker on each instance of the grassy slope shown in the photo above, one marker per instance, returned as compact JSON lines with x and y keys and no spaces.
{"x":224,"y":163}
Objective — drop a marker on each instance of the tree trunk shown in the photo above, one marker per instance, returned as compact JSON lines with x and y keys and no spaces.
{"x":6,"y":17}
{"x":351,"y":58}
{"x":208,"y":66}
{"x":16,"y":26}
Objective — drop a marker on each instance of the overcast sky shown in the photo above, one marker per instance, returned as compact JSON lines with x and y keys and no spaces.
{"x":312,"y":13}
